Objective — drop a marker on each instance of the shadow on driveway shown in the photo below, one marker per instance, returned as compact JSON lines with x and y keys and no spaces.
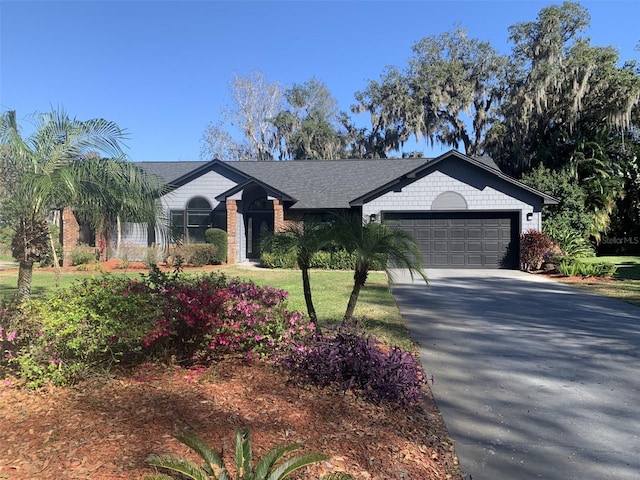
{"x":534,"y":379}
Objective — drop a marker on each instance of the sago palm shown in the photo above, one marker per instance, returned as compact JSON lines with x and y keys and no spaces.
{"x":273,"y":466}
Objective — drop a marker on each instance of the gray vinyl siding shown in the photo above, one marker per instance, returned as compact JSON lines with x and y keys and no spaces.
{"x":420,"y":195}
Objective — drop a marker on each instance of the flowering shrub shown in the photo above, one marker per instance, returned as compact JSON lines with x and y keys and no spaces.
{"x":534,"y":245}
{"x":351,"y":361}
{"x":115,"y":320}
{"x":213,"y":319}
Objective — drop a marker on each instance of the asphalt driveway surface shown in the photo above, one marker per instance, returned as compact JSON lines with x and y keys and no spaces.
{"x":534,"y":379}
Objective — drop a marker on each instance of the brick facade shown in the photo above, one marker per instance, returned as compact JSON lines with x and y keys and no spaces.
{"x":69,"y":235}
{"x":232,"y":228}
{"x":278,"y":216}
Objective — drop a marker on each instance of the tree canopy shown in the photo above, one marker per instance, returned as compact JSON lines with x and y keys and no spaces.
{"x":554,"y":101}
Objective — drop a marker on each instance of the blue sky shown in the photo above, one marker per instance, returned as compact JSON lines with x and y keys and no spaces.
{"x":161,"y":69}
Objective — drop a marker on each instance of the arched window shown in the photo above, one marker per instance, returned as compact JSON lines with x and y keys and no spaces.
{"x":191,"y":223}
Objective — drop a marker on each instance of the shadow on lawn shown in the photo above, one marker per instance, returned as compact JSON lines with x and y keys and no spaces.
{"x":628,"y":271}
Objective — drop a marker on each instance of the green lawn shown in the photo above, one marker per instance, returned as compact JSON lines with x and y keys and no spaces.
{"x":331,"y":290}
{"x":626,"y":286}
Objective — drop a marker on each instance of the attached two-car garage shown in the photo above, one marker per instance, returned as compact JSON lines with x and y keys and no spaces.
{"x":462,"y":239}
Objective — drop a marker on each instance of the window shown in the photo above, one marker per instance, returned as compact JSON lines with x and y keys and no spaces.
{"x":190,"y":224}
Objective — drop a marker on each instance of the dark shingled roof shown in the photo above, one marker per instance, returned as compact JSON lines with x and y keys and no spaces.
{"x":327,"y":184}
{"x":318,"y":184}
{"x":169,"y":171}
{"x":314,"y":184}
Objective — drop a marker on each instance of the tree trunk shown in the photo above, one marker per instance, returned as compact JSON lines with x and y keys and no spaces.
{"x":25,"y":275}
{"x":118,"y":236}
{"x":56,"y":262}
{"x":359,"y":279}
{"x":306,"y":286}
{"x":353,"y":300}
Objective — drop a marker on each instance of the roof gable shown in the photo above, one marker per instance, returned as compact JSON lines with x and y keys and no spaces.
{"x":485,"y":164}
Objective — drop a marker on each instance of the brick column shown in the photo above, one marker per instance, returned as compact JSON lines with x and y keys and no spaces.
{"x":232,"y":230}
{"x":278,"y":216}
{"x":70,"y":235}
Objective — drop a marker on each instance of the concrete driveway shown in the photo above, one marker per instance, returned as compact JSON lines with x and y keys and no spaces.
{"x":534,"y":379}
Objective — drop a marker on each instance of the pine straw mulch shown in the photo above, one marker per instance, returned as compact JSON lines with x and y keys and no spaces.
{"x":105,"y":428}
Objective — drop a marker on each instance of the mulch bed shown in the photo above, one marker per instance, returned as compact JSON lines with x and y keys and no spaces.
{"x":105,"y":428}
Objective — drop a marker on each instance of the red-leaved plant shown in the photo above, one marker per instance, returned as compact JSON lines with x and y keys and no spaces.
{"x":534,"y":246}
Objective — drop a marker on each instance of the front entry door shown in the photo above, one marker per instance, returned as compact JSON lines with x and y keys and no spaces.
{"x":258,"y":225}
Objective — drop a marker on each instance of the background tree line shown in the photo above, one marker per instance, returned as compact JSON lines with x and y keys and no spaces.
{"x":557,"y":112}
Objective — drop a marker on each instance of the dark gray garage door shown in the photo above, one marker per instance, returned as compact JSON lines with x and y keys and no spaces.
{"x":462,"y":239}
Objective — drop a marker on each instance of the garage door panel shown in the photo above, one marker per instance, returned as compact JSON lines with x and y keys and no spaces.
{"x":440,"y":233}
{"x":491,"y":233}
{"x":474,"y":260}
{"x":457,"y":247}
{"x":474,"y":233}
{"x":422,"y":233}
{"x":440,"y":246}
{"x":492,"y":246}
{"x":440,"y":260}
{"x":474,"y":247}
{"x":463,"y":239}
{"x":457,"y":260}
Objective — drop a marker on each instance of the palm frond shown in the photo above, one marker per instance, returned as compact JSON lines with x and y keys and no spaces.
{"x":299,"y":461}
{"x":179,"y":465}
{"x":243,"y":453}
{"x":195,"y":443}
{"x":263,"y":469}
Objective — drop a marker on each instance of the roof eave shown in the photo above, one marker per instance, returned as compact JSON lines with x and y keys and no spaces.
{"x":271,"y":191}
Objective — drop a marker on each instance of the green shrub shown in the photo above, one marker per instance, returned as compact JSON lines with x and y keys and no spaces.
{"x":534,"y":247}
{"x":571,"y":213}
{"x":342,"y":260}
{"x":576,"y":268}
{"x":82,"y":255}
{"x":275,"y":465}
{"x":333,"y":259}
{"x":279,"y":260}
{"x":218,"y":238}
{"x":202,"y":255}
{"x":108,"y":320}
{"x":92,"y":325}
{"x":570,"y":242}
{"x":194,"y":254}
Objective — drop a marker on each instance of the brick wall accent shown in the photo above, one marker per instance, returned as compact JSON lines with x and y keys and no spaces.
{"x":70,"y":235}
{"x":278,"y":216}
{"x":232,"y":230}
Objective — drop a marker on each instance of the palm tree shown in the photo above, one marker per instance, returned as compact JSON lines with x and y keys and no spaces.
{"x":44,"y":172}
{"x":305,"y":239}
{"x":373,"y":243}
{"x":114,"y":191}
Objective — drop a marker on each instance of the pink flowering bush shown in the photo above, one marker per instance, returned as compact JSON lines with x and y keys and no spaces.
{"x":207,"y":318}
{"x":110,"y":320}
